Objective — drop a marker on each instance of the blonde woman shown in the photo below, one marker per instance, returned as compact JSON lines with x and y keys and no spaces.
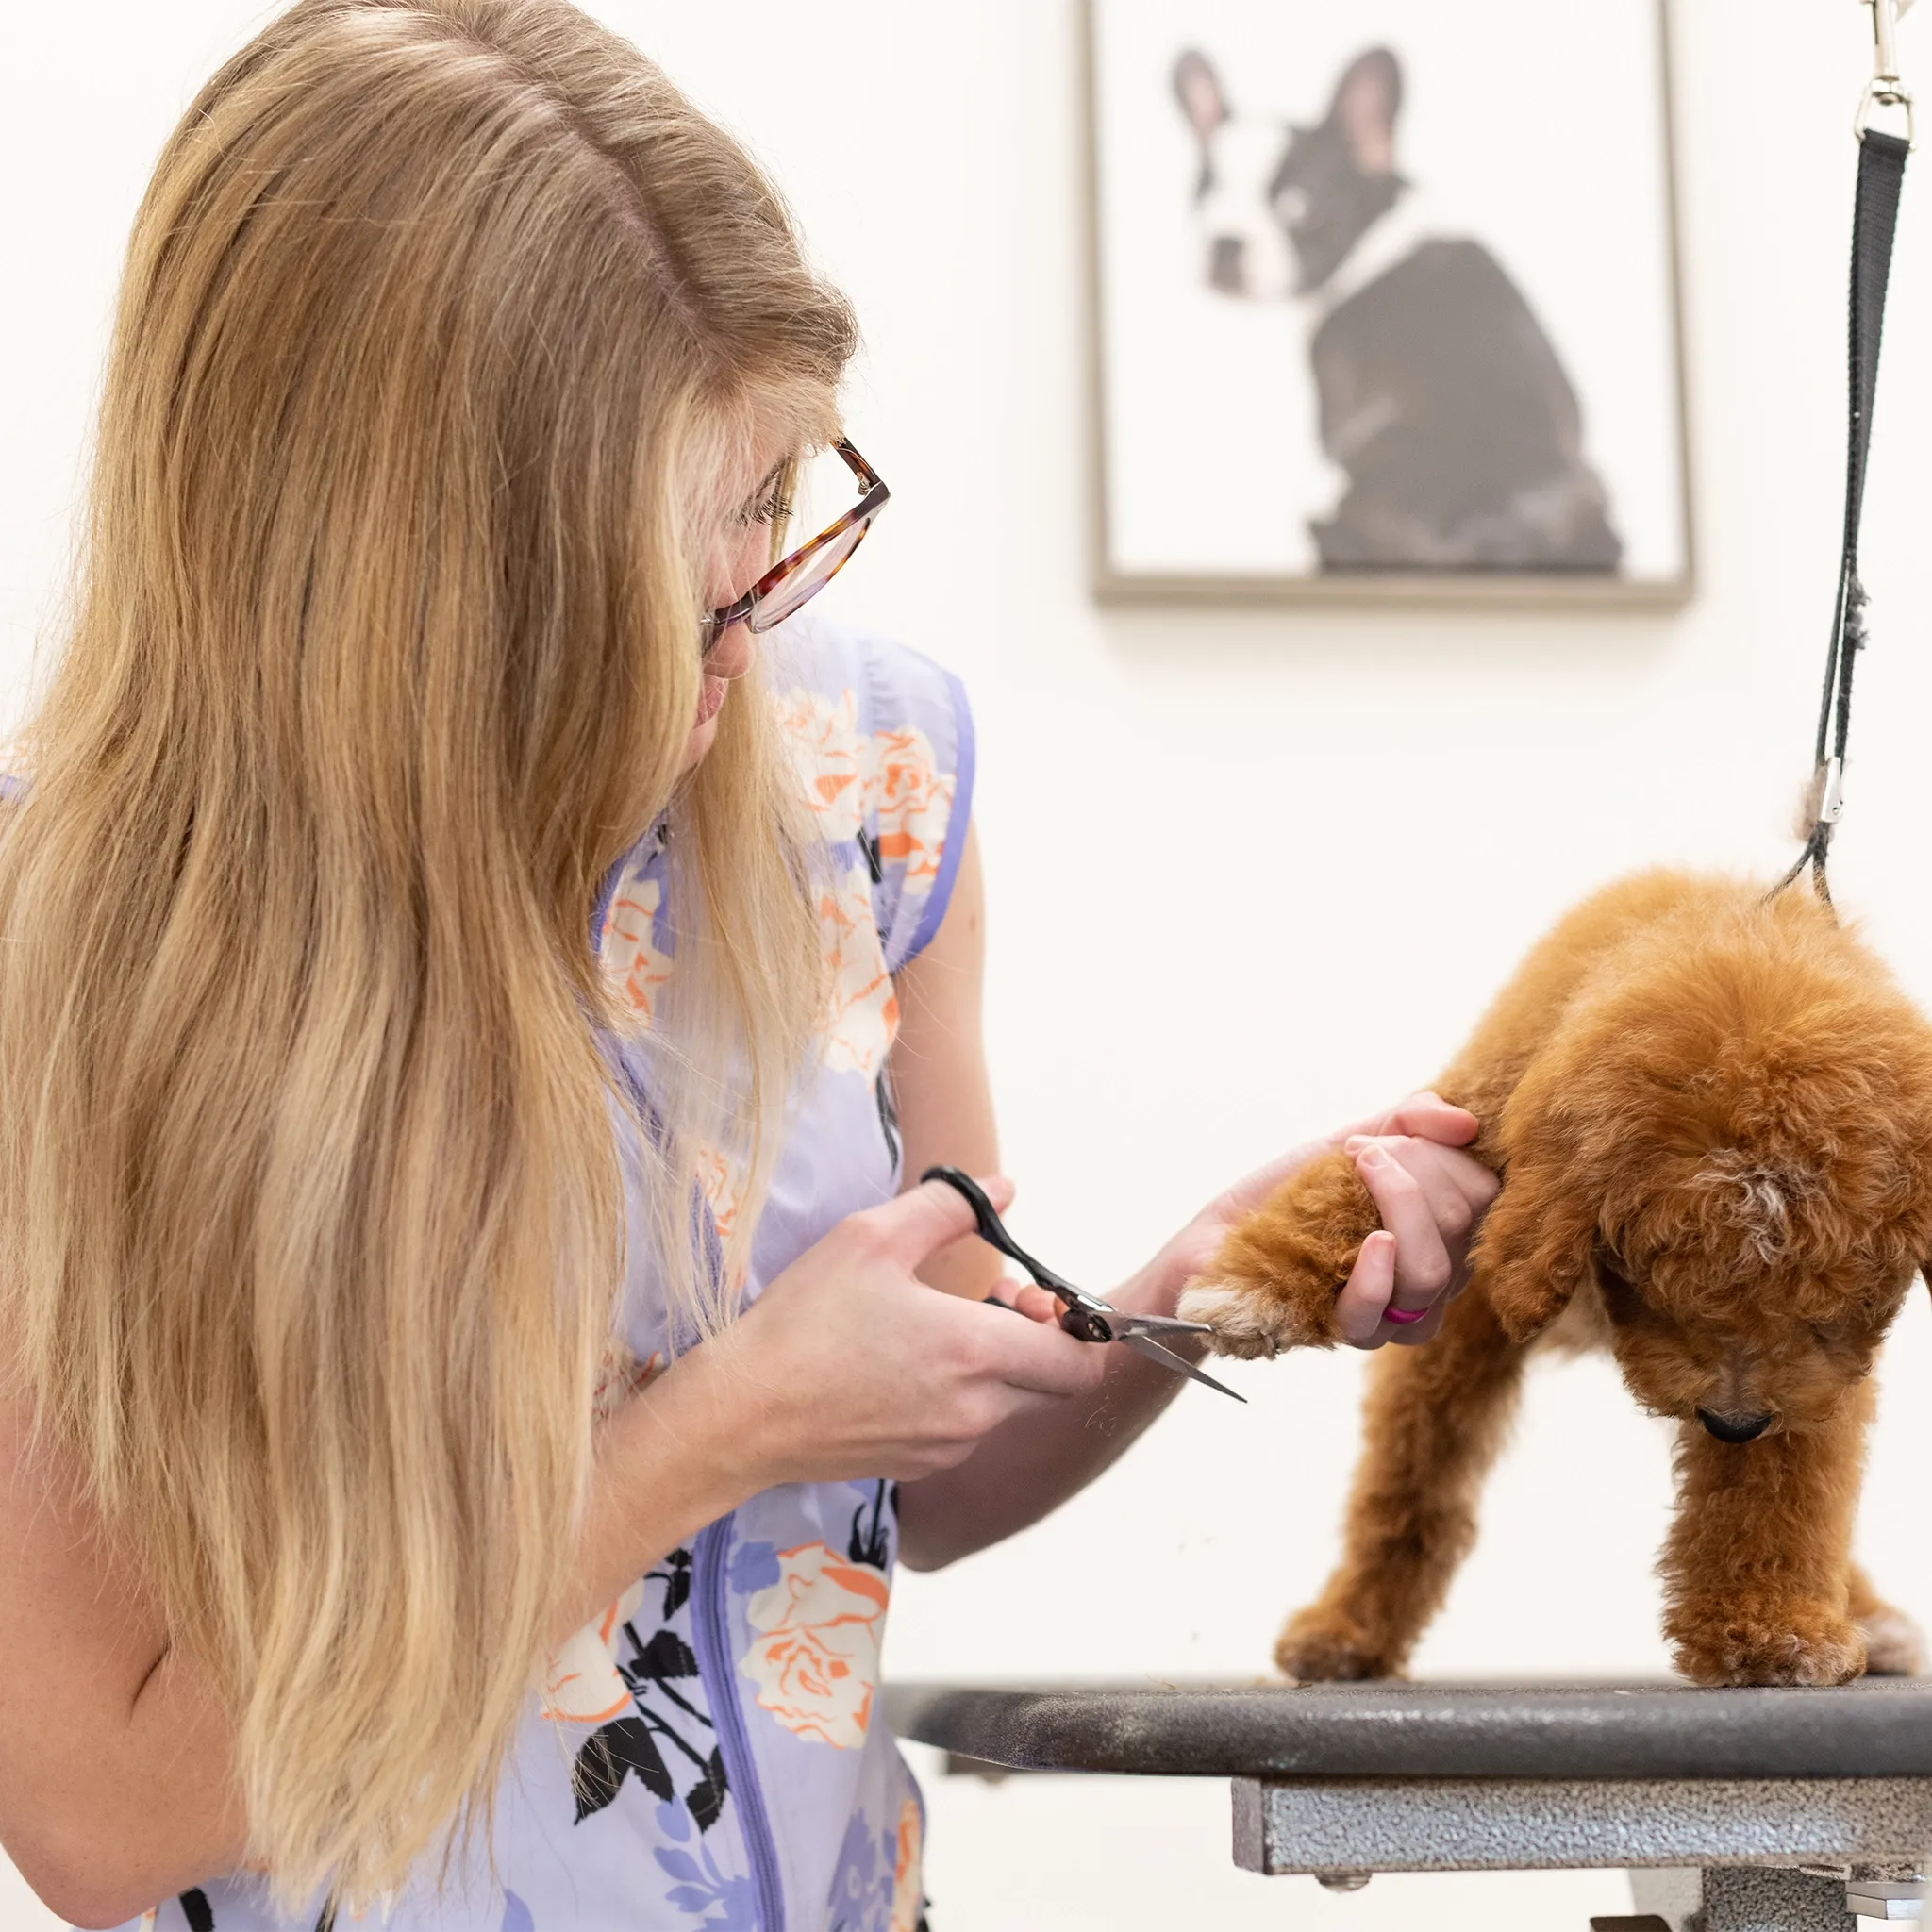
{"x":462,"y":1331}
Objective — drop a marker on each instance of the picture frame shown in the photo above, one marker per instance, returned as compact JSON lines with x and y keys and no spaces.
{"x":1311,"y":381}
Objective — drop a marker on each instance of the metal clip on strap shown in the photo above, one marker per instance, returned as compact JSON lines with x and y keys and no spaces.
{"x":1885,"y":89}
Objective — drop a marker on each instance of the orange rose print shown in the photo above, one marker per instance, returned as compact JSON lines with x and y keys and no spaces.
{"x":629,"y":951}
{"x":620,"y":1376}
{"x":829,"y":757}
{"x":914,"y":803}
{"x":908,"y":1875}
{"x":816,"y":1661}
{"x":722,"y":1186}
{"x":863,"y":1018}
{"x":581,"y":1685}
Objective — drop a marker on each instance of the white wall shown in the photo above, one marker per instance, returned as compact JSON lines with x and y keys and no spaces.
{"x":1251,"y":872}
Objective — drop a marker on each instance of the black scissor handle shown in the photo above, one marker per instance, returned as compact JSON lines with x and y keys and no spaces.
{"x":991,"y":1228}
{"x":1083,"y":1317}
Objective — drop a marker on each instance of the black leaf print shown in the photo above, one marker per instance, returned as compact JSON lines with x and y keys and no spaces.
{"x":197,"y":1912}
{"x":327,"y":1922}
{"x":705,"y":1800}
{"x":666,"y":1655}
{"x":676,"y":1578}
{"x":874,"y":861}
{"x":870,"y":1544}
{"x":624,"y":1747}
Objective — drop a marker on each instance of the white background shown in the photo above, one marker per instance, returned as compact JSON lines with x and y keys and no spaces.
{"x":1213,"y":453}
{"x":1251,"y":872}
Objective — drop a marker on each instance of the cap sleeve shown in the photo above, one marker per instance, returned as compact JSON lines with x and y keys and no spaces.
{"x":920,"y":795}
{"x":883,"y":739}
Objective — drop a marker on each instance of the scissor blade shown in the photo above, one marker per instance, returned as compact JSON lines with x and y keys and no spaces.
{"x":1146,"y":1345}
{"x":1156,"y":1324}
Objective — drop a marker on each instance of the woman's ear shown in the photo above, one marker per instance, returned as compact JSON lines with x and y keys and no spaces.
{"x":1534,"y":1249}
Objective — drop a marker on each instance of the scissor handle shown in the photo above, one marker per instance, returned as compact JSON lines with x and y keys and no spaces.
{"x":1085,"y":1317}
{"x":992,"y":1229}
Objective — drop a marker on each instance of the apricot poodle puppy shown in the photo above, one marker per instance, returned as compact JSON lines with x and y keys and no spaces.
{"x":1711,"y":1113}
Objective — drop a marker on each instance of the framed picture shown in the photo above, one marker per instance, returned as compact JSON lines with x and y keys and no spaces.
{"x":1381,"y":312}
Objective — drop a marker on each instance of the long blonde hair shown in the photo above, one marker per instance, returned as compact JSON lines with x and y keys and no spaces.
{"x":448,"y":329}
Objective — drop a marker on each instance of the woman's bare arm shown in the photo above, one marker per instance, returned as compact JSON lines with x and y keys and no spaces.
{"x":938,"y":1068}
{"x":1429,"y":1194}
{"x":115,"y":1778}
{"x":946,"y":1115}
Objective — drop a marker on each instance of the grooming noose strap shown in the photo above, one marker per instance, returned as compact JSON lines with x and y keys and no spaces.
{"x":1881,"y":175}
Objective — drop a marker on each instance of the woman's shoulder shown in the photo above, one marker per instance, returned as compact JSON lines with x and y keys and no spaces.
{"x":882,"y":740}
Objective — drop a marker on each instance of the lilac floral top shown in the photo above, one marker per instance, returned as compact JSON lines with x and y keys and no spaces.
{"x":709,"y":1755}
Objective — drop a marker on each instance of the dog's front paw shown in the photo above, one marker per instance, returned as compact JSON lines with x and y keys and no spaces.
{"x":1736,"y":1643}
{"x":1324,"y":1645}
{"x":1893,"y":1647}
{"x":1273,"y":1281}
{"x":1249,"y":1321}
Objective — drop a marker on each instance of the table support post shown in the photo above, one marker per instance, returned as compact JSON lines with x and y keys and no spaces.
{"x":1758,"y":1898}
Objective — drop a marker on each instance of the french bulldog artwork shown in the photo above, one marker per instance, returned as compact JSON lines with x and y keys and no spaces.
{"x":1441,"y":399}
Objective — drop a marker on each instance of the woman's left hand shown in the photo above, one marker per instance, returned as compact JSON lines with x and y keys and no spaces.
{"x":1432,"y":1196}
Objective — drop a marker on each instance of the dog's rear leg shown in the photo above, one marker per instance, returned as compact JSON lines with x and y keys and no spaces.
{"x":1893,"y":1646}
{"x":1758,"y":1569}
{"x":1432,"y":1422}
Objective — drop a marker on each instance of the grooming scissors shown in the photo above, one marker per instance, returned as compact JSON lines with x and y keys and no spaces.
{"x":1087,"y":1316}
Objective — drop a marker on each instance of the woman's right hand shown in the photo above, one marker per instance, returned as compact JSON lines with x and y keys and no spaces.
{"x":848,"y":1367}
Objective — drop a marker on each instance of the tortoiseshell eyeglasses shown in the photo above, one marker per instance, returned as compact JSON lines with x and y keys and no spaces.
{"x":795,"y":580}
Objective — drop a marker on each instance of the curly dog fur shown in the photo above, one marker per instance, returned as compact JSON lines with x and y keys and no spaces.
{"x":1712,"y":1115}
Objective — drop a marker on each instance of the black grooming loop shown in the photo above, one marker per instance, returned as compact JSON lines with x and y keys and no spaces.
{"x":1881,"y":175}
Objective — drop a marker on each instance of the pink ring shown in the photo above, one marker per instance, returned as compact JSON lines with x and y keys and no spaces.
{"x":1404,"y":1317}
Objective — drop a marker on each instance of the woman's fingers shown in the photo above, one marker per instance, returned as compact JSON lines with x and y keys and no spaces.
{"x":1458,"y":1188}
{"x":1428,"y":1116}
{"x":1032,"y":1302}
{"x":1370,"y":1287}
{"x":915,"y":1225}
{"x":1423,"y":1267}
{"x":1034,"y":1354}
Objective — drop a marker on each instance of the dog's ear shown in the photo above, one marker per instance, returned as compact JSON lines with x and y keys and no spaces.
{"x":1534,"y":1249}
{"x":1197,"y":87}
{"x":1368,"y":97}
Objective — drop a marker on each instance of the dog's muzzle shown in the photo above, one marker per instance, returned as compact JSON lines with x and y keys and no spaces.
{"x":1735,"y":1428}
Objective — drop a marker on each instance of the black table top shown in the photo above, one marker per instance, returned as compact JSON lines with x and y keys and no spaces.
{"x":1878,"y":1727}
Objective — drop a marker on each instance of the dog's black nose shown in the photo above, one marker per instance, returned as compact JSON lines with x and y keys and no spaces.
{"x":1224,"y":266}
{"x":1735,"y":1428}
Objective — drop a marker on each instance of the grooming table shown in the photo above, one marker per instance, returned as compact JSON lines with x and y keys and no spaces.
{"x":1734,"y":1810}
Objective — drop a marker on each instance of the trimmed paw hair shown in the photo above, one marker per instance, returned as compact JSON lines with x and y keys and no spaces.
{"x":1789,"y":1644}
{"x":1273,"y":1283}
{"x":1247,"y":1324}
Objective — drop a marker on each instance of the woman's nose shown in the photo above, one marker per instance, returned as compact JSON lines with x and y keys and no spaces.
{"x":1735,"y":1428}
